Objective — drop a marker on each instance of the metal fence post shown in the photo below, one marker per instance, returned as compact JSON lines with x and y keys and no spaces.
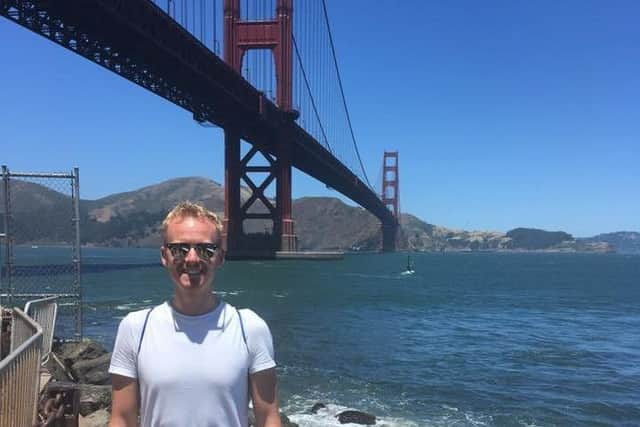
{"x":6,"y":289}
{"x":77,"y":256}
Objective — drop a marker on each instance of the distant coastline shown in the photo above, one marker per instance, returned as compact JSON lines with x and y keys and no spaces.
{"x":132,"y":219}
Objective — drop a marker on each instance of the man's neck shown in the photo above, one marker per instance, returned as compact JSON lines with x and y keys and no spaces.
{"x":194,"y":306}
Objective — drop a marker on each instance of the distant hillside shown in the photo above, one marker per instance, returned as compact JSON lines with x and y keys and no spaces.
{"x":328,"y":223}
{"x":621,"y":241}
{"x":534,"y":239}
{"x":42,"y":215}
{"x":39,"y":213}
{"x":421,"y":236}
{"x":160,"y":198}
{"x":133,"y":218}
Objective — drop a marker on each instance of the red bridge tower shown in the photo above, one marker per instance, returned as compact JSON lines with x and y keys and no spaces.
{"x":239,"y":37}
{"x":390,"y":197}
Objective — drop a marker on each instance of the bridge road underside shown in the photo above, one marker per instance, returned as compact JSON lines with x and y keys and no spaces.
{"x":138,"y":41}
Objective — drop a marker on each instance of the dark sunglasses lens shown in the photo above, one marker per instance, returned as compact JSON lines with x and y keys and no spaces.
{"x":179,"y":250}
{"x":205,"y":251}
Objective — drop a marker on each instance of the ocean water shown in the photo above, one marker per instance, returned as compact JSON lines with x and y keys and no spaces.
{"x":470,"y":339}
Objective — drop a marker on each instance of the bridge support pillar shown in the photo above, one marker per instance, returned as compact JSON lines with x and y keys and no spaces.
{"x":232,"y":233}
{"x":389,"y":234}
{"x":283,"y":198}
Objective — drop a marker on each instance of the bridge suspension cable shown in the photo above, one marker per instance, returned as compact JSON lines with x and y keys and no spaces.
{"x":344,"y":101}
{"x":313,"y":101}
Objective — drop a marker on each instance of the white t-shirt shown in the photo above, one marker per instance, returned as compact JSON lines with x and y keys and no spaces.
{"x":193,"y":370}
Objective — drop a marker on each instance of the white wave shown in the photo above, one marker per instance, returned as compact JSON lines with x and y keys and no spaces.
{"x":229,"y":293}
{"x":283,"y":295}
{"x":132,"y":306}
{"x":298,"y":409}
{"x":327,"y":417}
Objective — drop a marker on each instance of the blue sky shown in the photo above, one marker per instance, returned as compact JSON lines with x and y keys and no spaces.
{"x":505,"y":113}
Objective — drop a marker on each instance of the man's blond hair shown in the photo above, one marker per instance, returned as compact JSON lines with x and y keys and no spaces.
{"x":189,"y":209}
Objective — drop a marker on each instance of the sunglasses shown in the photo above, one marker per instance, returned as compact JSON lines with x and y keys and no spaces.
{"x":205,"y":251}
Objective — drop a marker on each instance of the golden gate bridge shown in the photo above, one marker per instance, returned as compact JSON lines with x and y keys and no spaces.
{"x":276,"y":88}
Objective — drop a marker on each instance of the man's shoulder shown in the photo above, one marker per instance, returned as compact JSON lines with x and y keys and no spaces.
{"x":138,"y":317}
{"x":251,"y":320}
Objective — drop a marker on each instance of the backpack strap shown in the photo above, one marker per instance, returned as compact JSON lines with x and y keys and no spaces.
{"x":144,"y":328}
{"x":244,"y":335}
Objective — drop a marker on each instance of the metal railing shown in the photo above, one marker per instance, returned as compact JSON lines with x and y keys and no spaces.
{"x":44,"y":312}
{"x":20,"y":373}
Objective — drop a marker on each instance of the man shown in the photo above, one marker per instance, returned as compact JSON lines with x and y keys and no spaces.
{"x":193,"y":361}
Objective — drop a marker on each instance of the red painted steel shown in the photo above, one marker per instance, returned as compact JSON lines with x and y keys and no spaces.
{"x":390,"y":182}
{"x":241,"y":36}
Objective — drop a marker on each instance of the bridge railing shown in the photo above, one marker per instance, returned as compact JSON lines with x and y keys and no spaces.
{"x":20,"y":373}
{"x":44,"y":311}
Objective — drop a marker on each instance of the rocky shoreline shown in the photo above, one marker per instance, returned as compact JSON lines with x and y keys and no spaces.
{"x":86,"y":365}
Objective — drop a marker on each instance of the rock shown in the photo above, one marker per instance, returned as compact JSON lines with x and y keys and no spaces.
{"x":94,"y":398}
{"x":56,"y":368}
{"x":356,"y":417}
{"x":284,"y":420}
{"x":93,"y":371}
{"x":97,"y":419}
{"x":317,"y":407}
{"x":72,"y":352}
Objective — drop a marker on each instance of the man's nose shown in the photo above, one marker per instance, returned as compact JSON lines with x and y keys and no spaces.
{"x":192,"y":256}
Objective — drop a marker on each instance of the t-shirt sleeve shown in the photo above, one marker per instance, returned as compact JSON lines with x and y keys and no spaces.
{"x":123,"y":358}
{"x":259,"y":341}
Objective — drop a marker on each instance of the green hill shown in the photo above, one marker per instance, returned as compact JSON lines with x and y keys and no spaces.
{"x":534,"y":239}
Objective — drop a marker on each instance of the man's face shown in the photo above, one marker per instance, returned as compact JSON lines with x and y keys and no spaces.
{"x":191,"y":273}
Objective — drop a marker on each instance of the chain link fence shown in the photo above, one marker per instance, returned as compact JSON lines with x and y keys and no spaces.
{"x":41,"y":248}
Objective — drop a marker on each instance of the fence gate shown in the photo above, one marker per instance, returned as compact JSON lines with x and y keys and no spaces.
{"x":40,"y":220}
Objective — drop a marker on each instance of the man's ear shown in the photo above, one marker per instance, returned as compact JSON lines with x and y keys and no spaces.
{"x":163,"y":256}
{"x":220,"y":253}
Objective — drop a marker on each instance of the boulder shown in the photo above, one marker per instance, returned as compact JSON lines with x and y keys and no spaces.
{"x":72,"y":352}
{"x":93,"y":371}
{"x":284,"y":420}
{"x":99,"y":418}
{"x":315,"y":408}
{"x":94,"y":398}
{"x":57,"y":369}
{"x":356,"y":417}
